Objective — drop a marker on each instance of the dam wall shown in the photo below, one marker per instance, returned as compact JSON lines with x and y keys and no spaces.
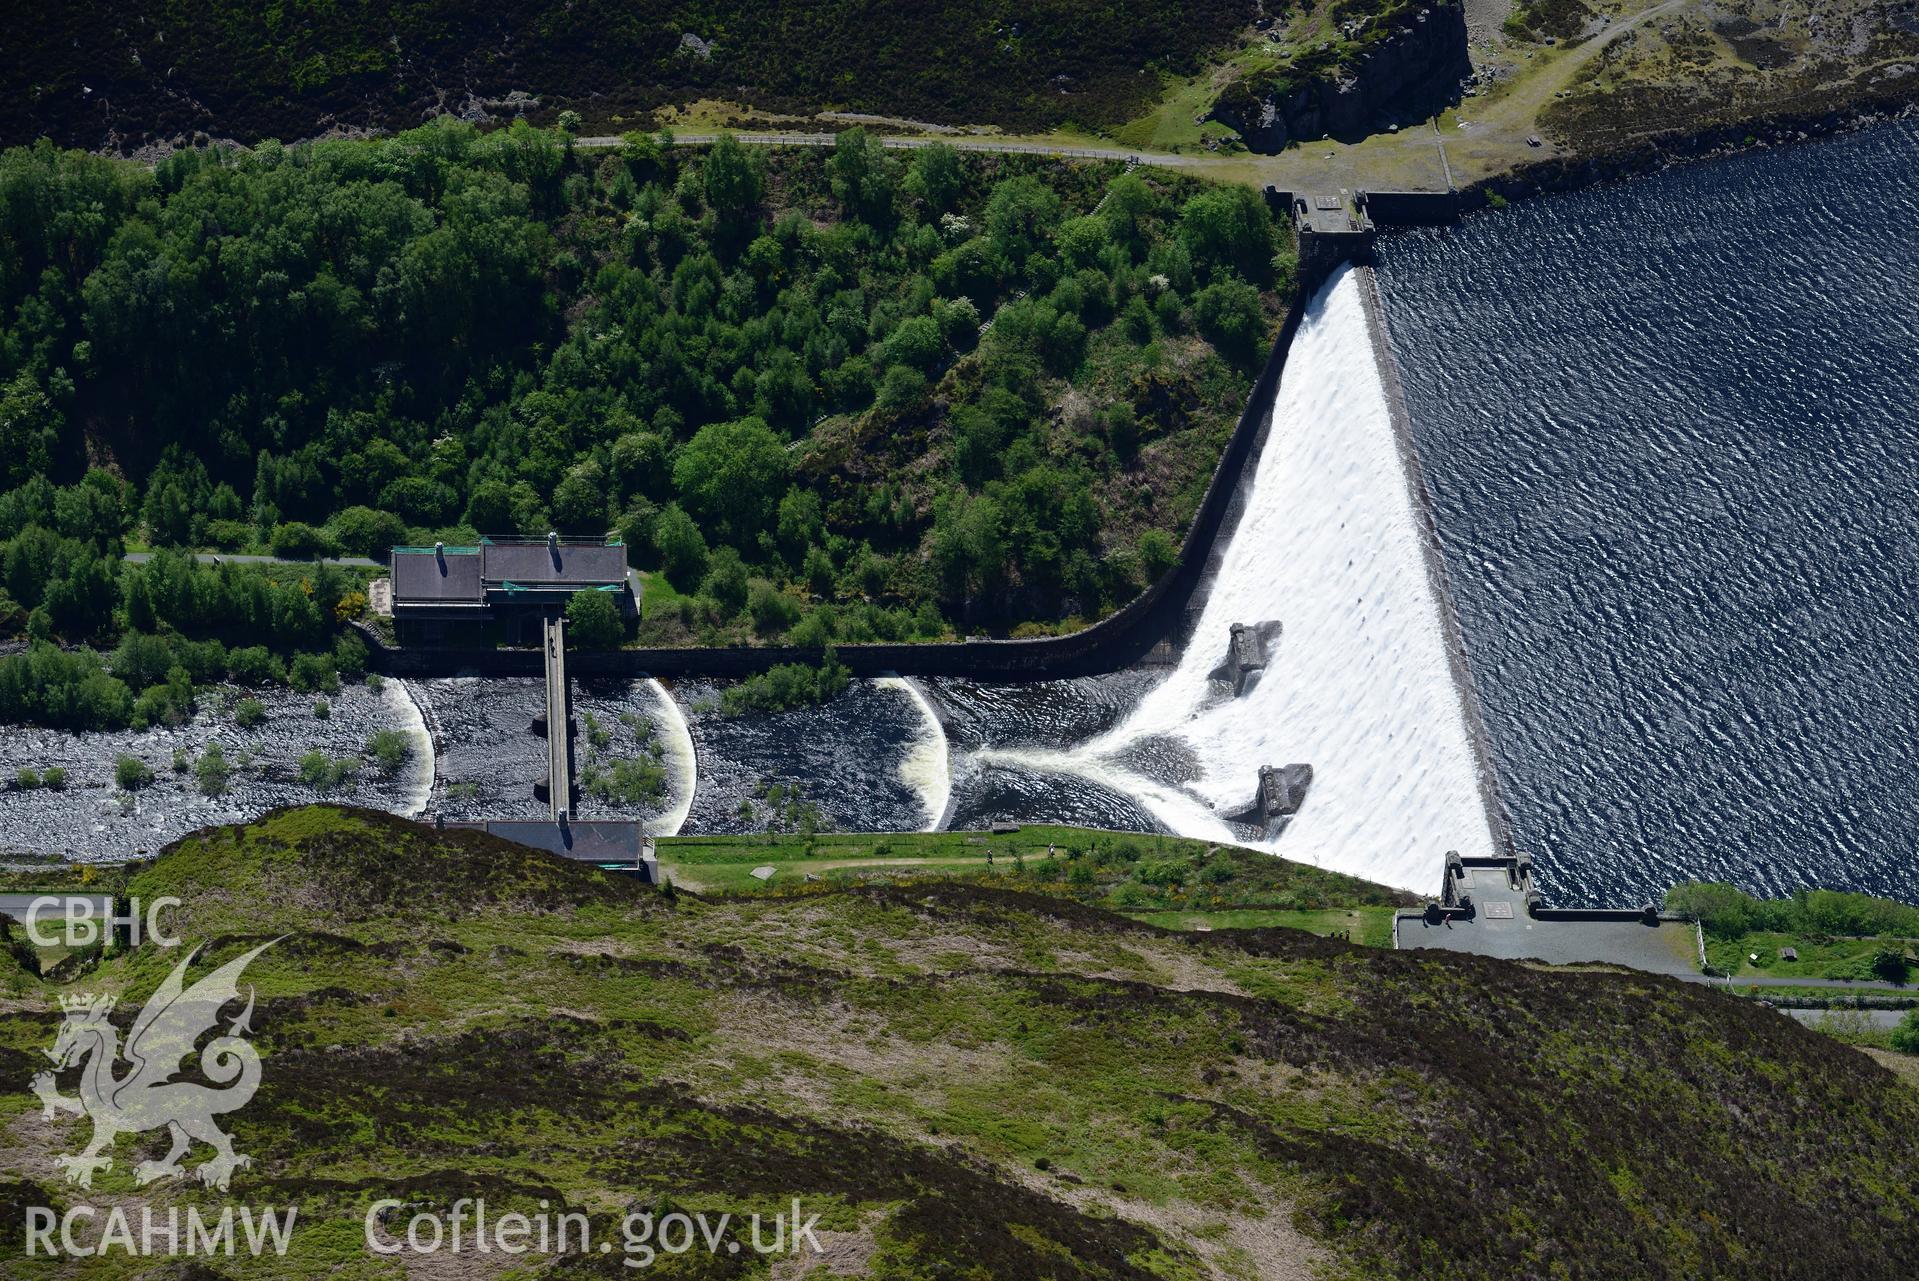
{"x":1326,"y":562}
{"x":1424,"y":508}
{"x":1118,"y":640}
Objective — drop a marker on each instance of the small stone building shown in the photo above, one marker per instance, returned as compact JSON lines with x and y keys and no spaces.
{"x":499,"y":589}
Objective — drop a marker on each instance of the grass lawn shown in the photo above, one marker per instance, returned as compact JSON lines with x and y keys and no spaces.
{"x":724,"y":864}
{"x":1225,"y":885}
{"x":1819,"y":958}
{"x":1372,"y":926}
{"x":769,"y":847}
{"x":738,"y":878}
{"x":1177,"y":122}
{"x":657,"y":596}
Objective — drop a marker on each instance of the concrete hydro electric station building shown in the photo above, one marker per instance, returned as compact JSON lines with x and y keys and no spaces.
{"x":501,"y":589}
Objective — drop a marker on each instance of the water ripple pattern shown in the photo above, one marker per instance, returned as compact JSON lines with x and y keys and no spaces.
{"x":1669,"y":429}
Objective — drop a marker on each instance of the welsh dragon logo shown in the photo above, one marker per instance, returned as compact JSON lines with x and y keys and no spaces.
{"x":147,"y":1097}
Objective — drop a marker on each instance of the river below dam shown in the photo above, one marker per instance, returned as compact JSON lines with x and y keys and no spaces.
{"x":1665,"y":429}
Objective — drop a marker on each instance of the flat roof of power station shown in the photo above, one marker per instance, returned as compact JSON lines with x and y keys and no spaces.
{"x":503,"y":569}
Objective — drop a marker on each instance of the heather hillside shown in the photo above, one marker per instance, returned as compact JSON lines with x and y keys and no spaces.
{"x":968,"y":1080}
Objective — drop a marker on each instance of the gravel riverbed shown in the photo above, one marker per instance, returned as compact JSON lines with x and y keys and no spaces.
{"x":91,"y":819}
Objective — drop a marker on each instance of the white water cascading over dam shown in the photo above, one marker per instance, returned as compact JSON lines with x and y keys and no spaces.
{"x":1355,"y":682}
{"x":420,"y":769}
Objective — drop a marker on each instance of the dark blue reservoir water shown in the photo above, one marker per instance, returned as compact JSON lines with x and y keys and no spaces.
{"x":1672,"y":428}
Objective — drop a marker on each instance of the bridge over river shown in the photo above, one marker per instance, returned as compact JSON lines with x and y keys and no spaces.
{"x":608,"y":842}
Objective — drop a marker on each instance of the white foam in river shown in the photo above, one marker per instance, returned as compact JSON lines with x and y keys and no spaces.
{"x":398,"y":695}
{"x":682,"y":764}
{"x":1358,"y":685}
{"x":926,"y":767}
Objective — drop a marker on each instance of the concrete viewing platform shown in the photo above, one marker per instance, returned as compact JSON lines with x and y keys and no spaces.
{"x":617,"y":843}
{"x":1661,"y":947}
{"x":1323,"y":213}
{"x":1490,"y":907}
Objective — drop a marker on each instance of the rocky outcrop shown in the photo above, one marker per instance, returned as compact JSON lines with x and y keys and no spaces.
{"x":1396,"y":78}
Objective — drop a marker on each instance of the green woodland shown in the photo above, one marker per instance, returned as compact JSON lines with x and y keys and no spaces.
{"x":174,"y":625}
{"x":821,"y":394}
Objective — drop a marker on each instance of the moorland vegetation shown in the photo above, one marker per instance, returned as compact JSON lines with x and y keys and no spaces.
{"x":447,"y":1015}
